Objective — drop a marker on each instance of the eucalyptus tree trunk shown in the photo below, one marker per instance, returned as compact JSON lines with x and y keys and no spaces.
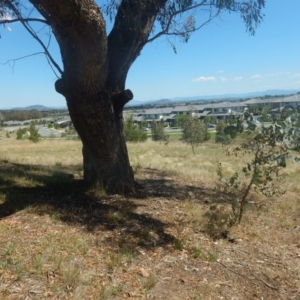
{"x":105,"y":157}
{"x":93,"y":80}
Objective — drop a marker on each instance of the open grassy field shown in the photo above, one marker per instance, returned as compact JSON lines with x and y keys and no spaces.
{"x":60,"y":239}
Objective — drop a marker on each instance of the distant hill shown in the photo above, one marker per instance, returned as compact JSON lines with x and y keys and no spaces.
{"x":236,"y":96}
{"x":223,"y":97}
{"x":135,"y":103}
{"x":37,"y":107}
{"x":161,"y":101}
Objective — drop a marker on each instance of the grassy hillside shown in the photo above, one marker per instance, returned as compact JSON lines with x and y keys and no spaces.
{"x":60,"y":239}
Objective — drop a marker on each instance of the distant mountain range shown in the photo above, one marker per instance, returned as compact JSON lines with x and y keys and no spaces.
{"x":224,"y":97}
{"x":37,"y":107}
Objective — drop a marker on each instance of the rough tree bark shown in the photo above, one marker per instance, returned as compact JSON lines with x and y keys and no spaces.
{"x":93,"y":81}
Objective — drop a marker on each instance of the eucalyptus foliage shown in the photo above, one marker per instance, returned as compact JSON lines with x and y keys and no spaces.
{"x":180,"y":18}
{"x":269,"y":148}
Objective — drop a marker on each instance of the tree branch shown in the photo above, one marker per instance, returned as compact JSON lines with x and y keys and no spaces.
{"x":79,"y":28}
{"x":181,"y":33}
{"x":133,"y":24}
{"x":34,"y":35}
{"x":250,"y":12}
{"x":23,"y":19}
{"x":172,"y":15}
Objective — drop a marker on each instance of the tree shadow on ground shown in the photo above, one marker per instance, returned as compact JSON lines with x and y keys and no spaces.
{"x":57,"y":192}
{"x":61,"y":193}
{"x":157,"y":183}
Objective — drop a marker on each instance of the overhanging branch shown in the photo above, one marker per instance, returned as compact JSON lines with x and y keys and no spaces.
{"x":133,"y":24}
{"x":168,"y":16}
{"x":174,"y":14}
{"x":183,"y":32}
{"x":23,"y":19}
{"x":34,"y":35}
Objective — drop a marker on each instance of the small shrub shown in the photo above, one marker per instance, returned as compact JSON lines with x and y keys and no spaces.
{"x":21,"y":132}
{"x":34,"y":135}
{"x":207,"y":135}
{"x":180,"y":119}
{"x":223,"y":138}
{"x":219,"y":218}
{"x":232,"y":131}
{"x":132,"y":132}
{"x":269,"y":150}
{"x":196,"y":253}
{"x":220,"y":127}
{"x":194,"y":131}
{"x":205,"y":255}
{"x":225,"y":133}
{"x":158,"y":132}
{"x":178,"y":244}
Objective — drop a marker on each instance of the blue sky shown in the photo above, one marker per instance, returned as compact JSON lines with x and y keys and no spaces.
{"x":221,"y":58}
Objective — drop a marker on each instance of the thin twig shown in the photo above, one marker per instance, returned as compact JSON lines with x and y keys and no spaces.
{"x":34,"y":35}
{"x":51,"y":66}
{"x":239,"y":274}
{"x":233,"y":271}
{"x":266,"y":283}
{"x":19,"y":58}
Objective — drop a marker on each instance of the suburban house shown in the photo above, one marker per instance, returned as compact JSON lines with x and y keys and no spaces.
{"x":65,"y":122}
{"x":168,"y":114}
{"x":217,"y":110}
{"x":292,"y":101}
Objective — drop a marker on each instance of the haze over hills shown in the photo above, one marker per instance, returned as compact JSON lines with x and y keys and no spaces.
{"x":37,"y":107}
{"x":238,"y":96}
{"x":225,"y":97}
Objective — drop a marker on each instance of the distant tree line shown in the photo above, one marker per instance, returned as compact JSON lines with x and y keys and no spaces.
{"x":22,"y":115}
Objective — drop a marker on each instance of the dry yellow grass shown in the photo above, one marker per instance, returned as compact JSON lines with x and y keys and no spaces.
{"x":46,"y":152}
{"x":60,"y":240}
{"x":177,"y":158}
